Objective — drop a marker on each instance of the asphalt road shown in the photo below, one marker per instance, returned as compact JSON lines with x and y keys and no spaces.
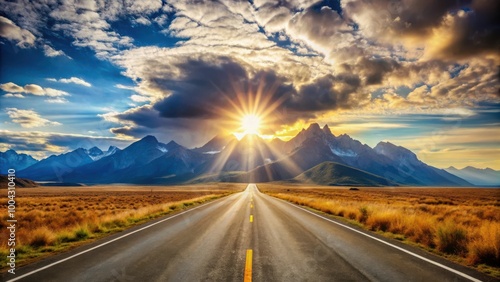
{"x":246,"y":236}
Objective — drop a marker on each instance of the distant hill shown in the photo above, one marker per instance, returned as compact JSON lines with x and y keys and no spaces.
{"x":330,"y":173}
{"x":20,"y":182}
{"x":224,"y":176}
{"x":477,"y":176}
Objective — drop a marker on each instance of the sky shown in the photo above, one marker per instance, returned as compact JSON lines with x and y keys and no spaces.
{"x":422,"y":74}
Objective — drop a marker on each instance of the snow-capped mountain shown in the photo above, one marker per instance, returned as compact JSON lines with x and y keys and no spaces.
{"x":96,"y":154}
{"x":408,"y":165}
{"x":123,"y":165}
{"x":249,"y":159}
{"x":10,"y":159}
{"x":55,"y":167}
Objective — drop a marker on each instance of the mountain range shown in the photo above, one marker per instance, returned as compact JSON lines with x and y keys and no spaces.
{"x":314,"y":155}
{"x":12,"y":160}
{"x":477,"y":176}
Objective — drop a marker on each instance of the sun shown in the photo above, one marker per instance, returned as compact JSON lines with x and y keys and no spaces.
{"x":250,"y":124}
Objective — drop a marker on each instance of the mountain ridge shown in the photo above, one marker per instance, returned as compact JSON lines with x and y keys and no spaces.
{"x":477,"y":176}
{"x":251,"y":158}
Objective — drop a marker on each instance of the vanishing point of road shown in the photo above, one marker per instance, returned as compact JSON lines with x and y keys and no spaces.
{"x":243,"y":237}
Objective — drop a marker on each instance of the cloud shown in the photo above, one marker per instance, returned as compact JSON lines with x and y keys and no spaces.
{"x":446,"y":29}
{"x":140,"y":99}
{"x":34,"y":89}
{"x":11,"y":87}
{"x":24,"y":38}
{"x":51,"y":52}
{"x":320,"y":29}
{"x":57,"y":100}
{"x":161,"y":20}
{"x":143,"y":7}
{"x":28,"y":118}
{"x":183,"y":83}
{"x":330,"y":93}
{"x":142,"y":21}
{"x":72,"y":79}
{"x":10,"y":95}
{"x":144,"y":120}
{"x":89,"y":28}
{"x":314,"y":58}
{"x":9,"y":30}
{"x":216,"y":90}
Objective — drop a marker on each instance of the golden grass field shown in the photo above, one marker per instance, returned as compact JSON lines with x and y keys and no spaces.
{"x":56,"y":219}
{"x":462,"y":224}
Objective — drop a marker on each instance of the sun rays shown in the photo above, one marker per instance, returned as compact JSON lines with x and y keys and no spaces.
{"x":253,"y":112}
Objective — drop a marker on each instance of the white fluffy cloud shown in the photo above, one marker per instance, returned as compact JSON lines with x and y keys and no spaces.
{"x":24,"y":38}
{"x":333,"y":62}
{"x":11,"y":95}
{"x":33,"y":89}
{"x":51,"y":52}
{"x":11,"y":87}
{"x":28,"y":118}
{"x":72,"y":79}
{"x":9,"y":30}
{"x":356,"y":58}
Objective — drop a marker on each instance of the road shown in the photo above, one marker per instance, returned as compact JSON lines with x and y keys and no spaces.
{"x":246,"y":236}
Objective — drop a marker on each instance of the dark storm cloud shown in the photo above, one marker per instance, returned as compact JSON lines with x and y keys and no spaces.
{"x":477,"y":32}
{"x":328,"y":93}
{"x":415,"y":17}
{"x":203,"y":88}
{"x":204,"y":91}
{"x":470,"y":27}
{"x":374,"y":70}
{"x":208,"y":90}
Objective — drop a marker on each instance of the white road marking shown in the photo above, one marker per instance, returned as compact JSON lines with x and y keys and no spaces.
{"x":388,"y":244}
{"x":106,"y":243}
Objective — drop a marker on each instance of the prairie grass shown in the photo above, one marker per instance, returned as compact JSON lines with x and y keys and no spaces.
{"x":55,"y":219}
{"x":462,"y":224}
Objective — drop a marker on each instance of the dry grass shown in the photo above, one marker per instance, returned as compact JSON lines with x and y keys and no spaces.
{"x":54,"y":219}
{"x":463,"y":224}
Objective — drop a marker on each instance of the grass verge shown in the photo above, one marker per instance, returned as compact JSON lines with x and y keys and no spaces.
{"x":465,"y":230}
{"x":72,"y":222}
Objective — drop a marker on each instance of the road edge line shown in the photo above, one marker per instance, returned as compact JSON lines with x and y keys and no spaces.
{"x":106,"y":243}
{"x":387,"y":243}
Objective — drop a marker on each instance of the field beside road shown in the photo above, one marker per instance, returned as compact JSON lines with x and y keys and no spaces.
{"x":52,"y":220}
{"x":461,"y":224}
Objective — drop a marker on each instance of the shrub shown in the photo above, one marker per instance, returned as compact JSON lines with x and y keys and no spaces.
{"x":485,"y":248}
{"x":81,"y":234}
{"x":451,"y":238}
{"x":363,"y":214}
{"x":381,"y":221}
{"x":41,"y":237}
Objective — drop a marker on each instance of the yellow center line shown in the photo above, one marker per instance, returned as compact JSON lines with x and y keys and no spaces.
{"x":248,"y":267}
{"x":251,"y":218}
{"x":251,"y":206}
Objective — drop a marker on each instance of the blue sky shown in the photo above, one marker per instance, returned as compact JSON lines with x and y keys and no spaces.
{"x":422,"y":75}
